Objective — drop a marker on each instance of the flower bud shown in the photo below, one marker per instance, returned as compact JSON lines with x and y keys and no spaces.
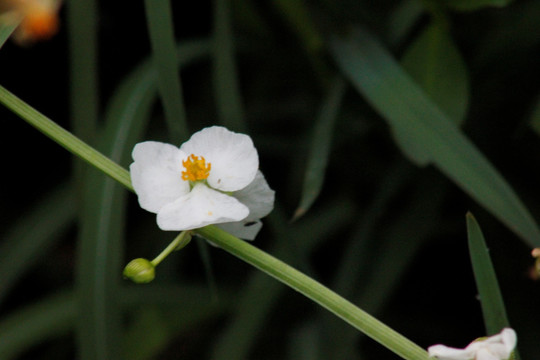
{"x":140,"y":271}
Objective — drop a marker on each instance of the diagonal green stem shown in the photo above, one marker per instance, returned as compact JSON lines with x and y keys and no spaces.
{"x":178,"y":243}
{"x":316,"y":292}
{"x":64,"y":138}
{"x":241,"y":249}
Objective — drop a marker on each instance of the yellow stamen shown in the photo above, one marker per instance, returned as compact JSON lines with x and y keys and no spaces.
{"x":196,"y":168}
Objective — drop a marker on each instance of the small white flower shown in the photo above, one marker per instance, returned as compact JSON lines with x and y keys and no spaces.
{"x":213,"y":178}
{"x":496,"y":347}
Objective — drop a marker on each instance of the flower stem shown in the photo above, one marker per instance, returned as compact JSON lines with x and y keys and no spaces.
{"x":241,"y":249}
{"x":316,"y":292}
{"x":64,"y":138}
{"x":178,"y":243}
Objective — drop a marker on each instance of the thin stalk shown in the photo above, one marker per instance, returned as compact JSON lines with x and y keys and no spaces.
{"x":178,"y":243}
{"x":316,"y":292}
{"x":259,"y":259}
{"x":64,"y":138}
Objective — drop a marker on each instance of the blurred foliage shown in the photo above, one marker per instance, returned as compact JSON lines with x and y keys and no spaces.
{"x":335,"y":138}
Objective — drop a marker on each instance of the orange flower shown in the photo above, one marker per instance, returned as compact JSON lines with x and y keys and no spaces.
{"x":38,"y":19}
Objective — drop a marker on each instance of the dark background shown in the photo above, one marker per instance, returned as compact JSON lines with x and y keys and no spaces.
{"x":432,"y":296}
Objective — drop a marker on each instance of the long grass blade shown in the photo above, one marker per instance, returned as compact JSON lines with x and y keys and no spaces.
{"x":320,"y":147}
{"x":429,"y":134}
{"x":101,"y":242}
{"x":37,"y":231}
{"x":493,"y":308}
{"x":6,"y":29}
{"x":161,"y":29}
{"x":437,"y":66}
{"x":226,"y":87}
{"x":84,"y":97}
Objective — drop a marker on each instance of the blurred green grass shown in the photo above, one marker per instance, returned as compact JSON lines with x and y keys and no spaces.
{"x":386,"y":234}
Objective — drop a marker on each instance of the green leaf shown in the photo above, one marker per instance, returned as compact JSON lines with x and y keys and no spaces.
{"x":429,"y":135}
{"x":320,"y":148}
{"x":493,"y":309}
{"x":6,"y":29}
{"x":161,"y":29}
{"x":83,"y":55}
{"x":472,"y":5}
{"x":436,"y":65}
{"x":403,"y":18}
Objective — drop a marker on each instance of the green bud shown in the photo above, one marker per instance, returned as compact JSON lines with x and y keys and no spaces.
{"x":140,"y":271}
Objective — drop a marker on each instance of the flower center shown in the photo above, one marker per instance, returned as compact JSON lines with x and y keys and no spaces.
{"x":196,"y":168}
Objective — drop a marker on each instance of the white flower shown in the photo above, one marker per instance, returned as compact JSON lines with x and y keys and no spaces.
{"x":213,"y":178}
{"x":496,"y":347}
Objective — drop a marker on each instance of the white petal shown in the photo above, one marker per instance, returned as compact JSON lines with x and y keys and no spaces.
{"x":156,"y":174}
{"x":258,"y":197}
{"x":233,"y":157}
{"x":496,"y":347}
{"x":509,"y":339}
{"x":500,"y":345}
{"x":485,"y":354}
{"x":200,"y":207}
{"x":447,"y":353}
{"x":244,"y":229}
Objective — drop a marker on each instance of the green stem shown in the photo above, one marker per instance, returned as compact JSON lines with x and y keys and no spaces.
{"x":178,"y":243}
{"x":316,"y":292}
{"x":64,"y":138}
{"x":241,"y":249}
